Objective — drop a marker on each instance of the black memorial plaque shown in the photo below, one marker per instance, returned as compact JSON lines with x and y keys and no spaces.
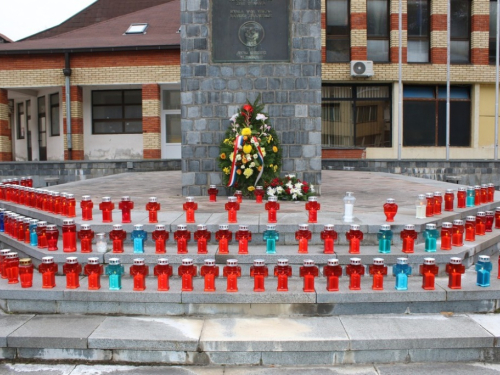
{"x":250,"y":30}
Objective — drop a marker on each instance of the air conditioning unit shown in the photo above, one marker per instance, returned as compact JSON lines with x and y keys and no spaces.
{"x":361,"y":68}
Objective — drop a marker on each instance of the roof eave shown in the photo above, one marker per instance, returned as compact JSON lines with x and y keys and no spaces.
{"x":89,"y":49}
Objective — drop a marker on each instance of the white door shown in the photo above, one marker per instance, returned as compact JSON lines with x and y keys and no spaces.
{"x":171,"y":135}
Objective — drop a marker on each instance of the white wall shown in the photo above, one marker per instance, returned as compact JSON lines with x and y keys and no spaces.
{"x":108,"y":146}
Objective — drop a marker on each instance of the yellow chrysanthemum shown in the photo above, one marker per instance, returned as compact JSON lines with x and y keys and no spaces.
{"x":248,"y":172}
{"x":263,"y":152}
{"x":275,"y":149}
{"x":231,"y":156}
{"x":226,"y":170}
{"x":223,"y":156}
{"x":247,"y":149}
{"x":246,"y":131}
{"x":270,"y":138}
{"x":251,"y":188}
{"x":275,"y":168}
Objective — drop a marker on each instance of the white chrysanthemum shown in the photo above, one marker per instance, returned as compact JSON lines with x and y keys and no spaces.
{"x":271,"y":191}
{"x":260,"y":116}
{"x":255,"y":156}
{"x":248,"y":156}
{"x":238,"y":157}
{"x":289,"y":184}
{"x":233,"y":117}
{"x":242,"y":166}
{"x":279,"y":189}
{"x":252,"y":164}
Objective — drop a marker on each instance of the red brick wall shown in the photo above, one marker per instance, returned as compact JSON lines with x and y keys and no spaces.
{"x":5,"y":130}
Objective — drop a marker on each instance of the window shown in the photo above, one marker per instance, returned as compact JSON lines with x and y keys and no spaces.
{"x":54,"y":115}
{"x":137,"y":28}
{"x":418,"y":30}
{"x":460,"y":31}
{"x":117,"y":112}
{"x":172,"y":111}
{"x":21,"y":121}
{"x":337,"y":31}
{"x":424,"y":116}
{"x":377,"y":17}
{"x":356,"y":116}
{"x":493,"y":32}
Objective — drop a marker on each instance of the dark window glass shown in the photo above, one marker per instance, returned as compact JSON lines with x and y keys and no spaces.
{"x":117,"y":112}
{"x":377,"y":14}
{"x":337,"y":31}
{"x":54,"y":115}
{"x":356,"y":116}
{"x":418,"y":30}
{"x":460,"y":31}
{"x":21,"y":121}
{"x":424,"y":116}
{"x":493,"y":32}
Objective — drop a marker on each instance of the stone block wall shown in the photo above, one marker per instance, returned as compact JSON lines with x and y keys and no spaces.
{"x":212,"y":92}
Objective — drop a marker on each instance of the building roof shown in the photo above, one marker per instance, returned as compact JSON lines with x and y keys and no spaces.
{"x":163,"y":24}
{"x":99,"y":11}
{"x":4,"y":39}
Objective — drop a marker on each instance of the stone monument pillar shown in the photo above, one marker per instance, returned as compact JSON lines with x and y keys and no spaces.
{"x":234,"y":50}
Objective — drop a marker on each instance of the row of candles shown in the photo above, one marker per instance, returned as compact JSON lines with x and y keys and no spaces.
{"x":12,"y":268}
{"x":427,"y":205}
{"x":46,"y":236}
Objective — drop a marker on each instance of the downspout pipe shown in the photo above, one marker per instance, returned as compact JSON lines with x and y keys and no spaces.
{"x":67,"y":75}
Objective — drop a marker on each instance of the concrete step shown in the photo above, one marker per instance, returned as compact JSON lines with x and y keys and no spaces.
{"x":263,"y":341}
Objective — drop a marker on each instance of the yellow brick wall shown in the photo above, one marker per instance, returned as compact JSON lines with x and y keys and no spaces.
{"x":151,"y":108}
{"x":4,"y":112}
{"x":151,"y":141}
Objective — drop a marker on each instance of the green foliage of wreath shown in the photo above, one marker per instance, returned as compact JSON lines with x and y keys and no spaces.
{"x":253,"y":125}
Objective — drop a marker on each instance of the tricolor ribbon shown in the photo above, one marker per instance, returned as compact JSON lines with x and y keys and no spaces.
{"x":232,"y":175}
{"x":261,"y":158}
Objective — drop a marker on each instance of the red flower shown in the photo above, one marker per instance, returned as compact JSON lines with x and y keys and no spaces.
{"x":248,"y":108}
{"x":305,"y":189}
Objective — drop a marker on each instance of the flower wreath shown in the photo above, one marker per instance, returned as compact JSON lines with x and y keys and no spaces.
{"x":250,"y":154}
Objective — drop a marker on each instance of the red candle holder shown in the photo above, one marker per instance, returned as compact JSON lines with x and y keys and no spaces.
{"x":282,"y":271}
{"x":27,"y":222}
{"x":355,"y":270}
{"x":303,"y":235}
{"x":259,"y":194}
{"x":139,"y":271}
{"x":107,"y":207}
{"x":470,"y":228}
{"x":223,"y":236}
{"x":484,"y":193}
{"x":308,"y":272}
{"x":489,"y":221}
{"x":11,"y":267}
{"x":209,"y":271}
{"x":272,"y":207}
{"x":71,"y":205}
{"x":190,"y":207}
{"x":481,"y":223}
{"x":202,"y":236}
{"x":449,"y":197}
{"x":86,"y":205}
{"x":160,"y":236}
{"x":153,"y":207}
{"x":446,"y":235}
{"x":243,"y":236}
{"x":41,"y":228}
{"x":72,"y":269}
{"x":187,"y":270}
{"x":438,"y":203}
{"x":408,"y":235}
{"x":117,"y":235}
{"x":497,"y":218}
{"x":21,"y":228}
{"x":231,"y":272}
{"x":232,"y":207}
{"x":378,"y":270}
{"x":461,"y":197}
{"x":455,"y":269}
{"x":69,"y":235}
{"x":212,"y":193}
{"x":56,"y":203}
{"x":390,"y":209}
{"x":163,"y":271}
{"x":312,"y":206}
{"x":457,"y":237}
{"x":93,"y":270}
{"x":259,"y":272}
{"x":354,"y":236}
{"x":182,"y":236}
{"x":429,"y":208}
{"x":126,"y":205}
{"x":491,"y":192}
{"x":477,"y":196}
{"x":48,"y":269}
{"x":86,"y":235}
{"x":328,"y":235}
{"x":332,"y":271}
{"x":52,"y":235}
{"x":239,"y":196}
{"x":26,"y":272}
{"x":429,"y":270}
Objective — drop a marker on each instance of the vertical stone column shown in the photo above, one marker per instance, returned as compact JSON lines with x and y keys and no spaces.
{"x":151,"y":121}
{"x":480,"y":26}
{"x":438,"y":32}
{"x":358,"y":30}
{"x":76,"y":97}
{"x":5,"y":128}
{"x":394,"y":27}
{"x":212,"y":92}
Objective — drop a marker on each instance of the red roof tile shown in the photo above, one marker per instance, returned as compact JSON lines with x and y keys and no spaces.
{"x":163,"y":21}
